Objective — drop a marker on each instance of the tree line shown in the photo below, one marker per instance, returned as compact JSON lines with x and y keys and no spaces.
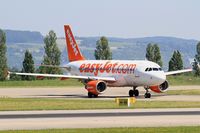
{"x":103,"y":52}
{"x":52,"y":57}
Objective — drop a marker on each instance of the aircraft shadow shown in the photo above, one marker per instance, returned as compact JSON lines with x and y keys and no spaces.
{"x":85,"y":96}
{"x":76,"y":96}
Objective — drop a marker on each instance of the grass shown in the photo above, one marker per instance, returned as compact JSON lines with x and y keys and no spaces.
{"x":15,"y":104}
{"x":183,"y":92}
{"x":41,"y":83}
{"x":181,"y":129}
{"x":183,"y":80}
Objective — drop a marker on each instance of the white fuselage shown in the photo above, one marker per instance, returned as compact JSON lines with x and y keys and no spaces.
{"x":126,"y":73}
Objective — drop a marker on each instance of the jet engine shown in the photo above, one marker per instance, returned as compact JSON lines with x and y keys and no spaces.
{"x":160,"y":88}
{"x":96,"y":87}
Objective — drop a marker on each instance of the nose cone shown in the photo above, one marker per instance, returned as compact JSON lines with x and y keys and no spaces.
{"x":160,"y":77}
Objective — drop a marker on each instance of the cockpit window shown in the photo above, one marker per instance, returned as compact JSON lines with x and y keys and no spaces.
{"x":155,"y":69}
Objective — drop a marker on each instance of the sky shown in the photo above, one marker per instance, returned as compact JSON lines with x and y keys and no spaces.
{"x":111,"y":18}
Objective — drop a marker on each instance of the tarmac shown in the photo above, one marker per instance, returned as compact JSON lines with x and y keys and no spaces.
{"x":18,"y":120}
{"x":80,"y":93}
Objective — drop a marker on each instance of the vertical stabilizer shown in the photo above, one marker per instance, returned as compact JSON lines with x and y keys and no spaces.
{"x":74,"y":53}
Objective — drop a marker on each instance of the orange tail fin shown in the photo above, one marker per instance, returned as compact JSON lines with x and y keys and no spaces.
{"x":74,"y":53}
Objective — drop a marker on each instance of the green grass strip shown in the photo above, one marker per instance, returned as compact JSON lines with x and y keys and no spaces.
{"x":185,"y":129}
{"x":14,"y":104}
{"x":183,"y":80}
{"x":184,"y":92}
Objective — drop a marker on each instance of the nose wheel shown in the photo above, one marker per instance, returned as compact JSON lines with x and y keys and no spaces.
{"x":133,"y":92}
{"x":147,"y":94}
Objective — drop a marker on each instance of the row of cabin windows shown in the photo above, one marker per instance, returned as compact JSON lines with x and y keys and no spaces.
{"x":153,"y":69}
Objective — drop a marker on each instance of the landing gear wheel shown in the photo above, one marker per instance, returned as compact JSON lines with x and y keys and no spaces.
{"x":136,"y":93}
{"x":147,"y":95}
{"x":91,"y":95}
{"x":131,"y":93}
{"x":95,"y":96}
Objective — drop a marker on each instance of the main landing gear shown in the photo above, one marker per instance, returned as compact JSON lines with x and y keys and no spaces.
{"x":134,"y":92}
{"x":147,"y":94}
{"x":91,"y":95}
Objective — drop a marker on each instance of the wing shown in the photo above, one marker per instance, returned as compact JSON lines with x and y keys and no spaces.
{"x":65,"y":76}
{"x":177,"y":72}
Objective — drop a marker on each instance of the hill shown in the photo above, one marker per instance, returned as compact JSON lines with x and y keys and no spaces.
{"x":122,"y":48}
{"x":15,"y":36}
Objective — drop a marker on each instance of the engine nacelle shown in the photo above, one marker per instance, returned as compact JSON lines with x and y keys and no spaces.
{"x":96,"y":87}
{"x":160,"y":88}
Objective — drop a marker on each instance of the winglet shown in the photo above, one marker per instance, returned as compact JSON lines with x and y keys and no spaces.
{"x":74,"y":53}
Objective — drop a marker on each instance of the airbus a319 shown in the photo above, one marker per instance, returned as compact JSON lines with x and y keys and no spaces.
{"x":98,"y":75}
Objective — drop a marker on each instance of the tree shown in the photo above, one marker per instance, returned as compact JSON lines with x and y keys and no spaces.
{"x":15,"y":77}
{"x":102,"y":51}
{"x":179,"y":60}
{"x":176,"y":62}
{"x":197,"y":56}
{"x":196,"y":66}
{"x":3,"y":59}
{"x":149,"y":52}
{"x":153,"y":53}
{"x":28,"y":66}
{"x":52,"y":54}
{"x":157,"y":55}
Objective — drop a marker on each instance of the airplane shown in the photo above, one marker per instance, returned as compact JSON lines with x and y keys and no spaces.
{"x":98,"y":75}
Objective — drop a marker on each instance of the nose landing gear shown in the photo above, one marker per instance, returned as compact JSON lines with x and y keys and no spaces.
{"x":134,"y":92}
{"x":147,"y":94}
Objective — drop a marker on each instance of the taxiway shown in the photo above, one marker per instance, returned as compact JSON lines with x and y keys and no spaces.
{"x":80,"y":92}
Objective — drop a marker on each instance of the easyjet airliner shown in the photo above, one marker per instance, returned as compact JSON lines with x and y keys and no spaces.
{"x":98,"y":75}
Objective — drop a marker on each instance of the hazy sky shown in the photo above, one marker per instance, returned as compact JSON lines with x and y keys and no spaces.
{"x":117,"y":18}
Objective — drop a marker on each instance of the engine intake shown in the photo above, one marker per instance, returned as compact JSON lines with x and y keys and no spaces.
{"x":96,"y":87}
{"x":160,"y":88}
